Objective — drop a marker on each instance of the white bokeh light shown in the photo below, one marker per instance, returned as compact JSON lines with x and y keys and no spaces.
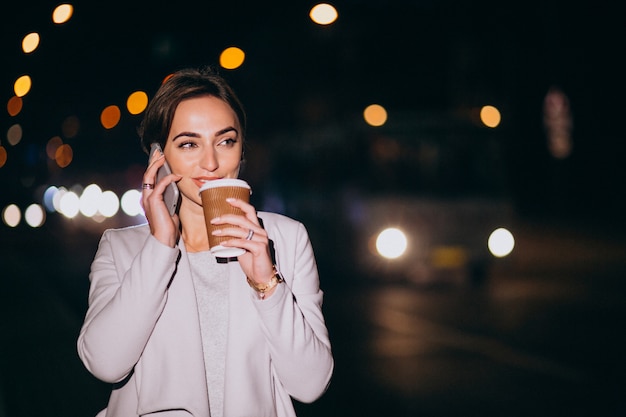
{"x":11,"y":215}
{"x":109,"y":204}
{"x":35,"y":215}
{"x":501,"y":242}
{"x":323,"y":14}
{"x":131,"y":203}
{"x":56,"y":198}
{"x":90,"y":200}
{"x":69,"y":204}
{"x":391,"y":243}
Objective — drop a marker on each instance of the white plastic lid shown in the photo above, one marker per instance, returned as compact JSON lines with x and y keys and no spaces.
{"x":224,"y":182}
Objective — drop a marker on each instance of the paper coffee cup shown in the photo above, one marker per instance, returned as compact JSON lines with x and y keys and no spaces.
{"x":214,"y":194}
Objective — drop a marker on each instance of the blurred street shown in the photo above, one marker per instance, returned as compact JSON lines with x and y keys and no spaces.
{"x":544,"y":337}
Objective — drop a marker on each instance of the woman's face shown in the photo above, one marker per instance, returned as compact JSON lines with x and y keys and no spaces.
{"x":204,"y":143}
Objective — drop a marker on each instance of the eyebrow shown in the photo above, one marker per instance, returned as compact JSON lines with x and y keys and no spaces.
{"x":196,"y":135}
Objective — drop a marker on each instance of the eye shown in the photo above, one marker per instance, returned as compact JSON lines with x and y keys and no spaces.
{"x":228,"y":142}
{"x":186,"y":144}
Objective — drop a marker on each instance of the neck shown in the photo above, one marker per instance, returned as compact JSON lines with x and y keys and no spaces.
{"x":193,"y":230}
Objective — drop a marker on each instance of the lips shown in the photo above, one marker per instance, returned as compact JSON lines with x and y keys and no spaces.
{"x":199,"y":181}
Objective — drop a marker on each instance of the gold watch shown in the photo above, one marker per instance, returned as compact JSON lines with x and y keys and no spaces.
{"x":263,"y":288}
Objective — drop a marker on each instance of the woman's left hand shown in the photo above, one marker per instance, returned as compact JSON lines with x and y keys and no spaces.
{"x":248,"y":234}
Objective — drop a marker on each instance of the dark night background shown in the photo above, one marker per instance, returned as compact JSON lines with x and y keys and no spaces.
{"x":304,"y":87}
{"x":409,"y":56}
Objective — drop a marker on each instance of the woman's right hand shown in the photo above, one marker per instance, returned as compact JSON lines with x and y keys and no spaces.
{"x":163,"y":226}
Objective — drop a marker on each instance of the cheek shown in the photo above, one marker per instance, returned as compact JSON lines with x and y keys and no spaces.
{"x":236,"y":160}
{"x":181,"y":165}
{"x":231,"y":159}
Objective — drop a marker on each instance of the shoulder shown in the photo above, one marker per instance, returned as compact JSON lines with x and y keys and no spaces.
{"x":123,"y":243}
{"x":275,"y":220}
{"x":283,"y":230}
{"x":130,"y":233}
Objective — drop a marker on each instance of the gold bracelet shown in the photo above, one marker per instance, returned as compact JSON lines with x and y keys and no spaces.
{"x":263,"y":288}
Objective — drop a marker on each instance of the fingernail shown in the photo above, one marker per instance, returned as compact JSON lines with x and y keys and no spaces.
{"x":230,"y":199}
{"x":217,"y":232}
{"x":215,"y":220}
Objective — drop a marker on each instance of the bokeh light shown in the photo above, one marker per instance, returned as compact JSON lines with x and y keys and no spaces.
{"x":11,"y":215}
{"x":62,"y":13}
{"x":22,"y":85}
{"x":48,"y":198}
{"x":375,"y":115}
{"x":131,"y":203}
{"x":14,"y":105}
{"x":232,"y":58}
{"x":14,"y":134}
{"x":323,"y":14}
{"x":69,"y":204}
{"x":90,"y":200}
{"x":490,"y":116}
{"x":109,"y":204}
{"x":56,"y":198}
{"x":110,"y":116}
{"x":35,"y":215}
{"x":30,"y":42}
{"x":558,"y":123}
{"x":95,"y":203}
{"x":64,"y":155}
{"x":137,"y":102}
{"x":391,"y":243}
{"x":3,"y":156}
{"x":501,"y":242}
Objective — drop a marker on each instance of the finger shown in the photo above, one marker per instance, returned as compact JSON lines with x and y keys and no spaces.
{"x":256,"y":248}
{"x":260,"y":252}
{"x":247,"y":208}
{"x":156,"y":194}
{"x":242,"y":223}
{"x":157,"y":161}
{"x":157,"y":156}
{"x":248,"y":234}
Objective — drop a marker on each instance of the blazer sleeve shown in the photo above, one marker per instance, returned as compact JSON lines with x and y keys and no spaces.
{"x":293,"y":322}
{"x":128,"y":290}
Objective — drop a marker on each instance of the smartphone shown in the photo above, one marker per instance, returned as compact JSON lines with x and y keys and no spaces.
{"x":171,"y":196}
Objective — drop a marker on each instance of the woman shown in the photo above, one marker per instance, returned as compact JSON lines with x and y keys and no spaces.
{"x":177,"y":331}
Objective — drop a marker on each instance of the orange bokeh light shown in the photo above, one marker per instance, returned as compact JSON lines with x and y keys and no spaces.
{"x":64,"y":155}
{"x":110,"y":116}
{"x":3,"y":156}
{"x":14,"y":106}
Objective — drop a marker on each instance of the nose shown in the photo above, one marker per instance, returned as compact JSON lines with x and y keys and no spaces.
{"x":209,"y":160}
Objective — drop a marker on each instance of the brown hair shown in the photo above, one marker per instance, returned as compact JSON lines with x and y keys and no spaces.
{"x":181,"y":85}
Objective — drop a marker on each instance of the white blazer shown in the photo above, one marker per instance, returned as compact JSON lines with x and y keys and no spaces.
{"x":142,"y":333}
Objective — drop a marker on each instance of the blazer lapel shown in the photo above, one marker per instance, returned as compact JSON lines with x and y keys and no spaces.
{"x":171,"y":372}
